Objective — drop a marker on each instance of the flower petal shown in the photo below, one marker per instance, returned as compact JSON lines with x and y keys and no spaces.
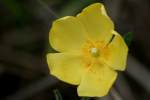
{"x":118,"y":51}
{"x":67,"y":34}
{"x":97,"y":81}
{"x":96,"y":22}
{"x":66,"y":66}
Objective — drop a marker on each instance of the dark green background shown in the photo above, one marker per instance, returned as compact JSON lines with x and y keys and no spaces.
{"x":24,"y":28}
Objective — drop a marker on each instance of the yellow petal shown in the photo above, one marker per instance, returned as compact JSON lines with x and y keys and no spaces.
{"x":66,"y":66}
{"x":118,"y":51}
{"x":67,"y":34}
{"x":97,"y":81}
{"x":96,"y":22}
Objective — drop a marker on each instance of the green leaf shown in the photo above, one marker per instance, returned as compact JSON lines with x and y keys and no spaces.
{"x":58,"y":94}
{"x":128,"y":38}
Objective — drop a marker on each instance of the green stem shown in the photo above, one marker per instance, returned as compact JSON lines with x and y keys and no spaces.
{"x":85,"y":98}
{"x":57,"y":95}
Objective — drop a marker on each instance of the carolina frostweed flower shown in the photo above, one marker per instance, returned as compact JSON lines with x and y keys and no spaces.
{"x":90,"y":51}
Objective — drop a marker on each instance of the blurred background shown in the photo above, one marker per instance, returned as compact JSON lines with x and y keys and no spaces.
{"x":24,"y":29}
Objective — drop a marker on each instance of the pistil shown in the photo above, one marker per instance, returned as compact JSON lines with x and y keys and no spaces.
{"x":95,"y":52}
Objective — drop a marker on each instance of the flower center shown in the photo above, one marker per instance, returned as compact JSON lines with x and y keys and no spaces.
{"x":94,"y":52}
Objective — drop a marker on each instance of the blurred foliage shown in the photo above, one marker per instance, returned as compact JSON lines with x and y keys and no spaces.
{"x":72,"y":7}
{"x":15,"y":11}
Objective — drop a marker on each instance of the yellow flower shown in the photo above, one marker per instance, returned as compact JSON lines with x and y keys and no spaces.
{"x":90,"y":51}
